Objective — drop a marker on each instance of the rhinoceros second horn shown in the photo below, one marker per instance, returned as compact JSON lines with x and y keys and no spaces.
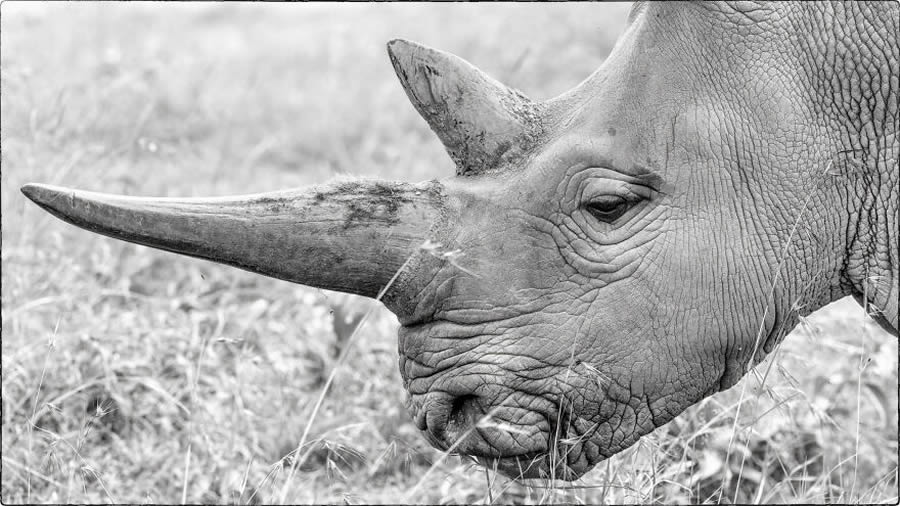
{"x":480,"y":121}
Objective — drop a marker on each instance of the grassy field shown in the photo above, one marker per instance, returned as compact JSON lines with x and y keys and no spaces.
{"x":132,"y":375}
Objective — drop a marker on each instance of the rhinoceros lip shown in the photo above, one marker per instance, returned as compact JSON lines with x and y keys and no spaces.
{"x":540,"y":464}
{"x":535,"y":465}
{"x":562,"y":461}
{"x":532,"y":465}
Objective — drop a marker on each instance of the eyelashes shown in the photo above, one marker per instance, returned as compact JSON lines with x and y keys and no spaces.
{"x":607,"y":197}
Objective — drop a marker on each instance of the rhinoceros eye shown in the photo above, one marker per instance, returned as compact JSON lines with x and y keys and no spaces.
{"x":608,"y":208}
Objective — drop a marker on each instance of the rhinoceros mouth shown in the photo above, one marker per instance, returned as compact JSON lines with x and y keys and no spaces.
{"x":525,"y":466}
{"x":535,"y":465}
{"x":514,"y":445}
{"x":500,"y":413}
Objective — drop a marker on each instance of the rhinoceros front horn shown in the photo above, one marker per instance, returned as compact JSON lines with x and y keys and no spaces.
{"x":350,"y":236}
{"x":481,"y":122}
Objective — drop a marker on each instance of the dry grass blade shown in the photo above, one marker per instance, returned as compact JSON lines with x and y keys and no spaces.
{"x":411,"y":493}
{"x":32,"y":472}
{"x":295,"y":463}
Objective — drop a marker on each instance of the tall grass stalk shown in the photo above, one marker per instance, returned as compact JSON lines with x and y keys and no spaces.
{"x":295,"y":462}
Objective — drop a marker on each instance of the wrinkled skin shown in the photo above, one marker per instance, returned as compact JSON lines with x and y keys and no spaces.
{"x":610,"y":257}
{"x":761,"y":171}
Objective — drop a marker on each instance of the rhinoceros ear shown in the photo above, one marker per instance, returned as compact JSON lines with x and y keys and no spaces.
{"x":480,"y":121}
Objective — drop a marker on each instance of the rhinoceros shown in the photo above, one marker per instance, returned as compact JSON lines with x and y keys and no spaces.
{"x":602,"y":260}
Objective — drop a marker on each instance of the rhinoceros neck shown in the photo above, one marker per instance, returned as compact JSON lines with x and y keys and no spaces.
{"x":873,"y":133}
{"x":873,"y":257}
{"x":850,"y":73}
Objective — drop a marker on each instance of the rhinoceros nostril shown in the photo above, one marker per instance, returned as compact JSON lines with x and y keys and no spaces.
{"x":459,"y":405}
{"x":446,"y":419}
{"x":461,"y":418}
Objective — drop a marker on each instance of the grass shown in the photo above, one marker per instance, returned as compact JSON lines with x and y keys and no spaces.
{"x":132,"y":375}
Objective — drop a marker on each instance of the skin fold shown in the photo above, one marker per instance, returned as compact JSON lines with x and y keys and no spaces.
{"x":605,"y":259}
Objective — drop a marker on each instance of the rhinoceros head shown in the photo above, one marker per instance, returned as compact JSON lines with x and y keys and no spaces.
{"x":604,"y":259}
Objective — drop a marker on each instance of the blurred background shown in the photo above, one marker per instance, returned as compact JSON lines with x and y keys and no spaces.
{"x":132,"y":375}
